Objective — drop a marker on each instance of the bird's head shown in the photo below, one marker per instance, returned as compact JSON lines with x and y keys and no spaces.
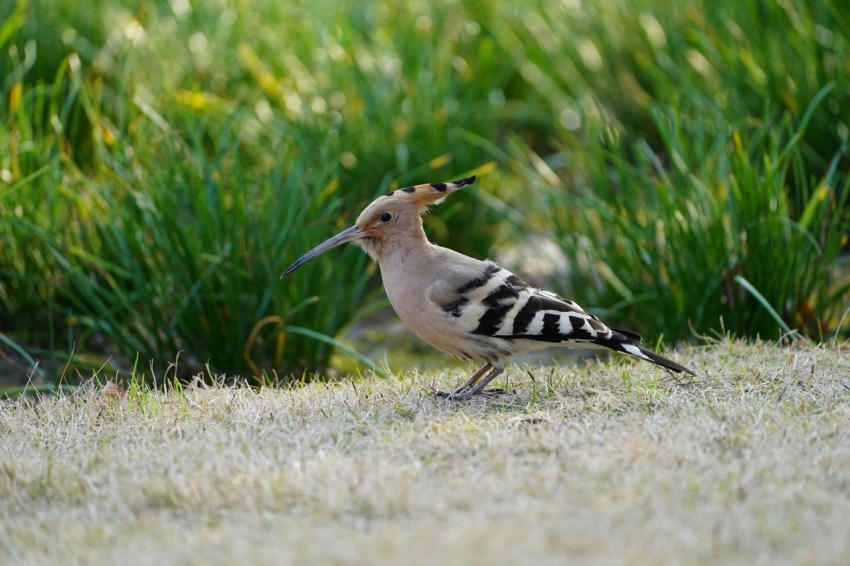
{"x":389,"y":217}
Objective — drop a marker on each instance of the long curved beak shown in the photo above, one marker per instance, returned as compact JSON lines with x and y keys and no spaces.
{"x":346,"y":235}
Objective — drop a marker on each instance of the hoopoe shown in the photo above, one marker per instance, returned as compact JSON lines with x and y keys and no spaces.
{"x":471,"y":309}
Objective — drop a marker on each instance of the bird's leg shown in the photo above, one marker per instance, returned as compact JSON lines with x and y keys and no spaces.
{"x":468,"y":384}
{"x":472,"y":380}
{"x":478,"y":389}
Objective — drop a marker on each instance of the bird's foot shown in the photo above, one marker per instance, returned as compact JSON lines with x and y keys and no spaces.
{"x":463,"y":395}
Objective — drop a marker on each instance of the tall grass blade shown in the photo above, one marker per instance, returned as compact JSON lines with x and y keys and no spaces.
{"x":764,"y":303}
{"x":339,"y":345}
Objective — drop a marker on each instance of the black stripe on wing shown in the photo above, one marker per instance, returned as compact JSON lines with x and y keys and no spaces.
{"x":551,"y":331}
{"x":557,"y":314}
{"x":536,"y":303}
{"x":499,"y":303}
{"x":491,"y":320}
{"x":455,"y":307}
{"x":480,"y":280}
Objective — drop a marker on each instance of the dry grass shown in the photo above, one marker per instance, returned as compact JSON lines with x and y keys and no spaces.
{"x":609,"y":463}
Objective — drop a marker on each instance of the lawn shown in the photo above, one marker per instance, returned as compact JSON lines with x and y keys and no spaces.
{"x":609,"y":462}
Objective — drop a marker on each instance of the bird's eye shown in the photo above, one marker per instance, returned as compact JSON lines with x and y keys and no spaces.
{"x":386,"y":217}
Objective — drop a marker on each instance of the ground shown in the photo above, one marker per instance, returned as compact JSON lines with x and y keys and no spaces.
{"x":606,"y":462}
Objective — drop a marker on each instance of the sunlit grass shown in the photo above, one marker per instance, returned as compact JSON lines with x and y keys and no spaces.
{"x":609,"y":463}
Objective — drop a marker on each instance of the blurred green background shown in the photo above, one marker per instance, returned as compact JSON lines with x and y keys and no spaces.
{"x":162,"y":161}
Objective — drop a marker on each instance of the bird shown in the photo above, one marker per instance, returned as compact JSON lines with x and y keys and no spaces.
{"x":472,"y":309}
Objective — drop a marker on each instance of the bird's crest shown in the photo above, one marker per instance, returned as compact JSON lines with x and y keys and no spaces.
{"x":428,"y":194}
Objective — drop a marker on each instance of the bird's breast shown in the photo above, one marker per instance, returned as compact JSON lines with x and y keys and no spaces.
{"x":406,"y":284}
{"x":405,"y":289}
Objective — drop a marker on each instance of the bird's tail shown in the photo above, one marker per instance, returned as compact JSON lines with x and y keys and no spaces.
{"x":627,"y":343}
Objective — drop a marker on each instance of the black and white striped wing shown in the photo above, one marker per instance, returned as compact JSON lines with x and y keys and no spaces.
{"x":497,"y":303}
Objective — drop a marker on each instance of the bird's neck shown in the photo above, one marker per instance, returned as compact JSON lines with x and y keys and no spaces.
{"x":410,"y":242}
{"x":405,"y":273}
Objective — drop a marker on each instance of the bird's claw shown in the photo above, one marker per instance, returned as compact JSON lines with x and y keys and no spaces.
{"x":463,"y":395}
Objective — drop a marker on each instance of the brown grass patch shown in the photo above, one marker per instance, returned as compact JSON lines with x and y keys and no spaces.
{"x":612,"y":462}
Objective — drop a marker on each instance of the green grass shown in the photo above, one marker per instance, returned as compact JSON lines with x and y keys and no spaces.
{"x":165,"y":194}
{"x":696,"y":174}
{"x":608,"y":463}
{"x":740,"y":60}
{"x":161,"y":162}
{"x":181,"y":255}
{"x":701,"y":230}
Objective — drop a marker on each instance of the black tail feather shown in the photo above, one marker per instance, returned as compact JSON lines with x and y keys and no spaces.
{"x":633,"y":349}
{"x":625,"y":336}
